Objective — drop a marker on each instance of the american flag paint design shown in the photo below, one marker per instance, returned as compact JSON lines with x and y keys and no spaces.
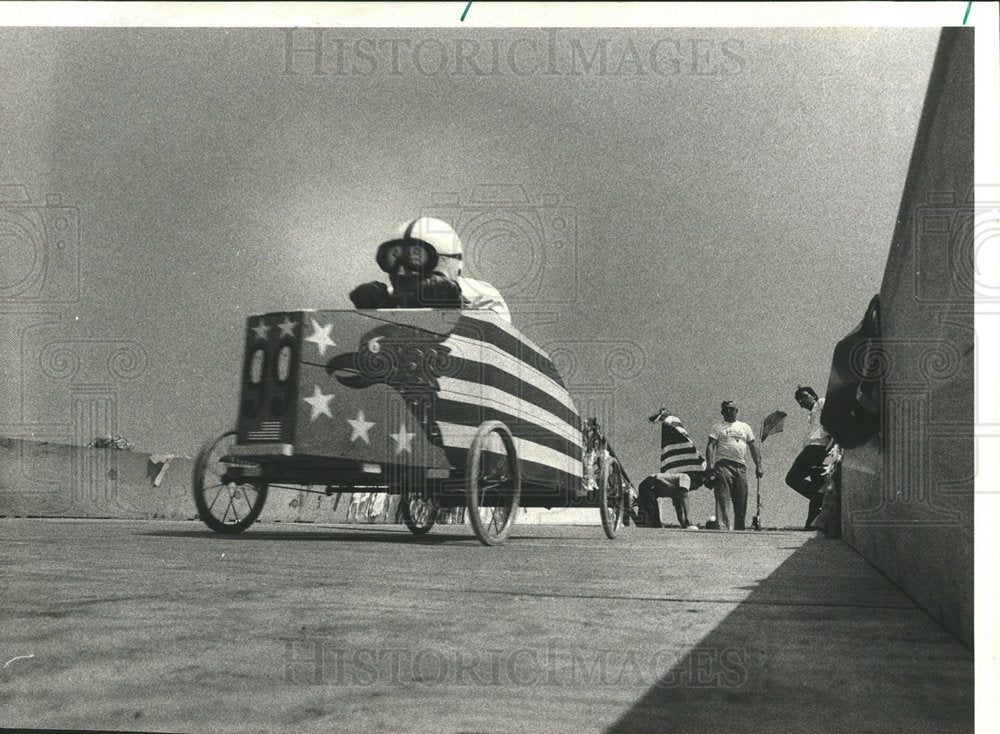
{"x":365,"y":382}
{"x":677,"y":451}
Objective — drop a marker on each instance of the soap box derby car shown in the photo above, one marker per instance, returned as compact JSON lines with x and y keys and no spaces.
{"x":447,"y":408}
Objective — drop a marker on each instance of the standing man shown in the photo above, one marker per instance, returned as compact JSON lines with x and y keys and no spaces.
{"x":726,"y":454}
{"x":808,"y":472}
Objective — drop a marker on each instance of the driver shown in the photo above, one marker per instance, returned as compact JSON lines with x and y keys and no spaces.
{"x":424,"y":263}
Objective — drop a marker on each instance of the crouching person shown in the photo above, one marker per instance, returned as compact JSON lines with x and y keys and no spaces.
{"x":675,"y":485}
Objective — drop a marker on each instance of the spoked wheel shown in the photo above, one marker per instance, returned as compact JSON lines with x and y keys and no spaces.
{"x":493,"y":482}
{"x":612,"y":496}
{"x":224,"y":504}
{"x":419,"y":512}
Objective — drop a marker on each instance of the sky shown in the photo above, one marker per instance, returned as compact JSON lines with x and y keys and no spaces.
{"x":679,"y":216}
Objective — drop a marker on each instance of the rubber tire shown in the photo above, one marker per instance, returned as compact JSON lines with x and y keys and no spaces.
{"x":205,"y":464}
{"x":611,"y":496}
{"x":473,"y":466}
{"x":405,"y":497}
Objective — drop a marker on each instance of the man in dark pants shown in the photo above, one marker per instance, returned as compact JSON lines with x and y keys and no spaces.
{"x":807,"y":473}
{"x":728,"y":444}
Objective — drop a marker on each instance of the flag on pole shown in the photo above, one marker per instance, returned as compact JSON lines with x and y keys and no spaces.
{"x":677,"y":451}
{"x":774,"y":423}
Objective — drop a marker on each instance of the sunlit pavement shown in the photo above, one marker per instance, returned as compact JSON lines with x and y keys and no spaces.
{"x":167,"y":626}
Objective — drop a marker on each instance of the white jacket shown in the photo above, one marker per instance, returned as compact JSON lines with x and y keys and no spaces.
{"x":479,"y":294}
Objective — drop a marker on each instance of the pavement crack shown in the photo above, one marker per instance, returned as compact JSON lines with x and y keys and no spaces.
{"x":677,"y":599}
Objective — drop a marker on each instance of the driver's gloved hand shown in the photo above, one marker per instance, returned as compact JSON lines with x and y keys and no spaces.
{"x":372,"y":295}
{"x":439,"y":291}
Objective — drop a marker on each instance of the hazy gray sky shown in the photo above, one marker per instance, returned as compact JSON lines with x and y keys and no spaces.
{"x":706,"y":211}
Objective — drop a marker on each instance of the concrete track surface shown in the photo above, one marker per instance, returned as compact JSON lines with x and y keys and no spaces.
{"x":165,"y":626}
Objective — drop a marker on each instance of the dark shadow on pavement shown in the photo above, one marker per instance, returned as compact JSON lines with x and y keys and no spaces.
{"x":825,"y":643}
{"x":354,"y":535}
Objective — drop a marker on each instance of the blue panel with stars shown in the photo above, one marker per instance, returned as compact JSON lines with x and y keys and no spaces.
{"x":269,"y":390}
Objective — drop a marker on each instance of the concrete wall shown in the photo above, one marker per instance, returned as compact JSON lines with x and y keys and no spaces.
{"x":55,"y":480}
{"x":908,"y":494}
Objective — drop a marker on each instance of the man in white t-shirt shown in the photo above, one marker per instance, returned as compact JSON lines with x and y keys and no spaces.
{"x":728,"y":444}
{"x":807,"y":474}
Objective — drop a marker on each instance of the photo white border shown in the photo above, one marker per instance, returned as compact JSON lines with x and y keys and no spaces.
{"x":984,"y":16}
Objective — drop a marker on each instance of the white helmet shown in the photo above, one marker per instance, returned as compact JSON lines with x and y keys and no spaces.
{"x":437,"y":233}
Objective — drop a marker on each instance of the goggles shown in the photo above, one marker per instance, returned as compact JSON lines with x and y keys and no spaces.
{"x":415,"y":255}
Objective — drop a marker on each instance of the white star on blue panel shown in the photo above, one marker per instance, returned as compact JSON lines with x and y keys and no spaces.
{"x":360,"y":427}
{"x":287,"y":327}
{"x":319,"y":403}
{"x":321,"y":337}
{"x":261,"y":329}
{"x":403,"y":439}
